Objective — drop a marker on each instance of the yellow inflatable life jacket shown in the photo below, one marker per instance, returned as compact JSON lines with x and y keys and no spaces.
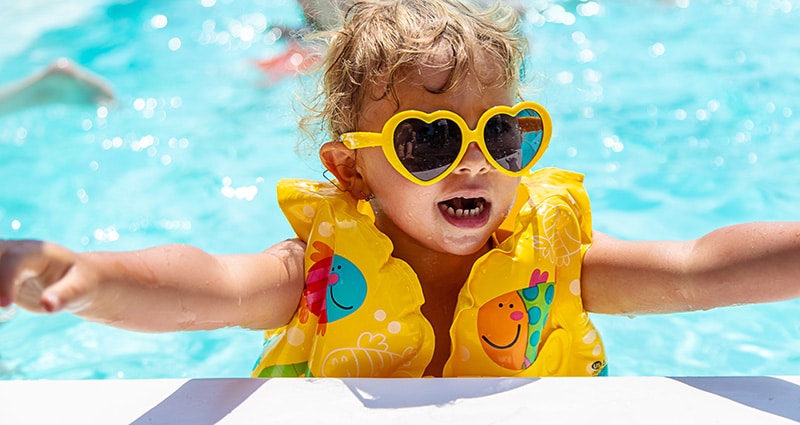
{"x":519,"y":313}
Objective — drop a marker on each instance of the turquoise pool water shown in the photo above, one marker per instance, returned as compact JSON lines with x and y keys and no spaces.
{"x":684,"y":117}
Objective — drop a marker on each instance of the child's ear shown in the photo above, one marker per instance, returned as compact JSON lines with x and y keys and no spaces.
{"x":341,"y":162}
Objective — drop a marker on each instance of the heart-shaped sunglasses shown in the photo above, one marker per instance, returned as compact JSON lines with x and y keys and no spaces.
{"x":426,"y":147}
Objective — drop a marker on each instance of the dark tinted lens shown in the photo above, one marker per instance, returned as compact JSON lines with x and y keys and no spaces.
{"x":513,"y":141}
{"x":426,"y":150}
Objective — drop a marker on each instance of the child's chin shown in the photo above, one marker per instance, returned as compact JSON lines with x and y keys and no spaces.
{"x":465,"y":244}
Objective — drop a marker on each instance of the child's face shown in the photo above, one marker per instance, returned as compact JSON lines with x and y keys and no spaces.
{"x":458,"y":214}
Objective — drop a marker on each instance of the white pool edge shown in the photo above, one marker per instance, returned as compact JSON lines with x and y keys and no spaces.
{"x":648,"y":400}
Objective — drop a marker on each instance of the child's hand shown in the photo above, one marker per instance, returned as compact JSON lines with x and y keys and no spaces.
{"x":44,"y":277}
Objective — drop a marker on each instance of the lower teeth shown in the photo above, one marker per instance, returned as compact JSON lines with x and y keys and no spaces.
{"x":459,"y":213}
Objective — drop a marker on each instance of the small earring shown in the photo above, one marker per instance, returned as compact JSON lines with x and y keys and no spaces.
{"x":369,"y":197}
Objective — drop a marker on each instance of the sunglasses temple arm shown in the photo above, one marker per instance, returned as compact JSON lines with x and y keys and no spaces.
{"x":333,"y":181}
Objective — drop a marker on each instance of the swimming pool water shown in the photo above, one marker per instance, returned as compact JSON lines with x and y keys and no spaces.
{"x":682,"y":116}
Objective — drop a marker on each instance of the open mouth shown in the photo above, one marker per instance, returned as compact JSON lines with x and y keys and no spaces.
{"x":463,"y":207}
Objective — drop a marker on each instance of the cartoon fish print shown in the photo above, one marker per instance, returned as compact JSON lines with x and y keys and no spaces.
{"x":335,"y":287}
{"x":510,"y":325}
{"x":503,"y":331}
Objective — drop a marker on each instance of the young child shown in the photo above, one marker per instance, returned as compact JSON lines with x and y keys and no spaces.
{"x":454,"y":261}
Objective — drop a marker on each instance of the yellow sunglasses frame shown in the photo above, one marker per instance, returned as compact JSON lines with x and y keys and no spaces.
{"x":385,"y":139}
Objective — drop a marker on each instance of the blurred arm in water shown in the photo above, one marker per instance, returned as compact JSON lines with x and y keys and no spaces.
{"x":62,"y":82}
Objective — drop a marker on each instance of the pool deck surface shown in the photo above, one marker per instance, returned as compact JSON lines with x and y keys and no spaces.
{"x":758,"y":400}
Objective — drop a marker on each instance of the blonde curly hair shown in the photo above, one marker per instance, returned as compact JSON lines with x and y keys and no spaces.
{"x":380,"y":40}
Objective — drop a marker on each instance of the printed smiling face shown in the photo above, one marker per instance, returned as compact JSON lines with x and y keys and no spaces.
{"x":335,"y":287}
{"x":347,"y":289}
{"x":511,"y":325}
{"x":503,"y":328}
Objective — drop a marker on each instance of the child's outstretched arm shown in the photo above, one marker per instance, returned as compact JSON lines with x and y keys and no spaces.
{"x":742,"y":264}
{"x":166,"y":288}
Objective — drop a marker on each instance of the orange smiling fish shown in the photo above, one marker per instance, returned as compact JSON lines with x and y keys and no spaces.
{"x":510,"y":325}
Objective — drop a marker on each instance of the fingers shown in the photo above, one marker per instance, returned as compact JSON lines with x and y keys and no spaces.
{"x":28,"y":269}
{"x":12,"y":258}
{"x":71,"y":293}
{"x":29,"y":293}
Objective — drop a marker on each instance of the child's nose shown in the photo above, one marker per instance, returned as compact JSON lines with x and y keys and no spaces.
{"x":473,"y":162}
